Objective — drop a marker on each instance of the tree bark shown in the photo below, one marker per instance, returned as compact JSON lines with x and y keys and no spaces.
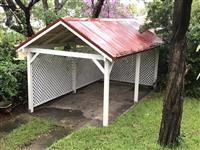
{"x":173,"y":102}
{"x":29,"y":28}
{"x":45,"y":4}
{"x":97,"y":8}
{"x":58,"y":5}
{"x":22,"y":14}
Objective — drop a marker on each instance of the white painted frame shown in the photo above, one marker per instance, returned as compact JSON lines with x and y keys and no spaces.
{"x":156,"y":66}
{"x":137,"y":77}
{"x":30,"y":82}
{"x":106,"y":69}
{"x":66,"y":53}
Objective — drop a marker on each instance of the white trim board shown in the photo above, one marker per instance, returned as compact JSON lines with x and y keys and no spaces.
{"x":66,"y":53}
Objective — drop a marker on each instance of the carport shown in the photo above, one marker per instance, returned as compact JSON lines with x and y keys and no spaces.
{"x":71,"y":53}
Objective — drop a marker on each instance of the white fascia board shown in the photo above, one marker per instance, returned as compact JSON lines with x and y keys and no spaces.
{"x":39,"y":35}
{"x":66,"y":53}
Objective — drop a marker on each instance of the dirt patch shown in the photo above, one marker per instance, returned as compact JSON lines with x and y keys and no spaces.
{"x":66,"y":118}
{"x":48,"y":139}
{"x":20,"y":109}
{"x":7,"y":127}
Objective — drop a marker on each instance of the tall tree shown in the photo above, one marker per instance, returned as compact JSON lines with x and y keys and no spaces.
{"x":173,"y":102}
{"x":18,"y":15}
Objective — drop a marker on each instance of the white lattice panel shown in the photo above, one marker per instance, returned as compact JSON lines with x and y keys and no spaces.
{"x":147,"y":67}
{"x":124,"y":68}
{"x":52,"y":77}
{"x":87,"y":72}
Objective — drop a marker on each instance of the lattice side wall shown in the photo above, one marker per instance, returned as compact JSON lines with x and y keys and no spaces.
{"x":86,"y":72}
{"x":52,"y":77}
{"x":147,"y":67}
{"x":124,"y":68}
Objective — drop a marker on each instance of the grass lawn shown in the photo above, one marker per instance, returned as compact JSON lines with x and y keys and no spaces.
{"x":136,"y":130}
{"x":25,"y":134}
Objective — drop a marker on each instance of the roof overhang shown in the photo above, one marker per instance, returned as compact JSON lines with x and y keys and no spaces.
{"x":147,"y":37}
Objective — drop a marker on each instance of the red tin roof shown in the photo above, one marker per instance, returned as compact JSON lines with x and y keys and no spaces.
{"x":114,"y":37}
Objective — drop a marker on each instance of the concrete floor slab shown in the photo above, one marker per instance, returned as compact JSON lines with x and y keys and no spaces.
{"x":89,"y":100}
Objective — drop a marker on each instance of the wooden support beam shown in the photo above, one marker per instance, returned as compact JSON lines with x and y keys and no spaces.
{"x":65,"y":39}
{"x":54,"y":37}
{"x":98,"y":65}
{"x":74,"y":75}
{"x":156,"y":65}
{"x":34,"y":57}
{"x":107,"y":67}
{"x":66,"y":53}
{"x":30,"y":82}
{"x":137,"y":77}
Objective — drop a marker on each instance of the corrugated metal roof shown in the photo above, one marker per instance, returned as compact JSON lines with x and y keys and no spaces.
{"x":115,"y":37}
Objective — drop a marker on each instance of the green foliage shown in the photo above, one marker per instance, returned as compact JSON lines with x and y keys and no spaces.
{"x":72,"y":8}
{"x":136,"y":130}
{"x":8,"y":81}
{"x":13,"y":80}
{"x":25,"y":134}
{"x":160,"y":18}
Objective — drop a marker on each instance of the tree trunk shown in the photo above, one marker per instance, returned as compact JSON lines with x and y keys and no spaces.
{"x":46,"y":8}
{"x":97,"y":9}
{"x":28,"y":23}
{"x":22,"y":13}
{"x":45,"y":4}
{"x":173,"y":102}
{"x":58,"y":4}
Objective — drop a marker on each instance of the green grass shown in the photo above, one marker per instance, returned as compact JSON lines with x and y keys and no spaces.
{"x":136,"y":130}
{"x":25,"y":134}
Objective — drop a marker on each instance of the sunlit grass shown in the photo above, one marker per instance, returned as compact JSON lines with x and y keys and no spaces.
{"x":136,"y":130}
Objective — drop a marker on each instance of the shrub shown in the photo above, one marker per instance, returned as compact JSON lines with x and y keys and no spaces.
{"x":13,"y":79}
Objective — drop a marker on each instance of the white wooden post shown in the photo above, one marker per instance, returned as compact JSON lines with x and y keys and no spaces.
{"x":74,"y":75}
{"x":30,"y":82}
{"x":106,"y":92}
{"x":137,"y":76}
{"x":156,"y":65}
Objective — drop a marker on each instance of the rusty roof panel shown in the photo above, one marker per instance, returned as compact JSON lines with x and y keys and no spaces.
{"x":115,"y":37}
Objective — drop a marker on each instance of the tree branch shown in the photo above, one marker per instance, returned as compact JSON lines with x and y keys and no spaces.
{"x":59,"y":5}
{"x":32,"y":3}
{"x":21,"y":5}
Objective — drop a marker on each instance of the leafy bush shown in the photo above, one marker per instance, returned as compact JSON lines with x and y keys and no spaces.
{"x":13,"y":79}
{"x":160,"y":18}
